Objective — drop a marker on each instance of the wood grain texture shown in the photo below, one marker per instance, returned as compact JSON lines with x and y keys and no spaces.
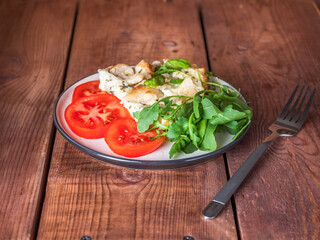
{"x":266,"y":48}
{"x":86,"y":197}
{"x":34,"y":44}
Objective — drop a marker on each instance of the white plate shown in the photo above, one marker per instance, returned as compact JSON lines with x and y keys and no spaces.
{"x":159,"y":159}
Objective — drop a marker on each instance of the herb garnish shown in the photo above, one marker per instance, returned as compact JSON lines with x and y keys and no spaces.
{"x":155,"y":81}
{"x":191,"y":125}
{"x":172,"y":66}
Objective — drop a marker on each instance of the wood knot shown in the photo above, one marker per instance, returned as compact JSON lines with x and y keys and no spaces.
{"x":242,"y":48}
{"x":11,"y":66}
{"x":124,"y":177}
{"x":169,"y":43}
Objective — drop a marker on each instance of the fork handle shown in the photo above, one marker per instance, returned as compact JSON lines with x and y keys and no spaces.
{"x":219,"y":201}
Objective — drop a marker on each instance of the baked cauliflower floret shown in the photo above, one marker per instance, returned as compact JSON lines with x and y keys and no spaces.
{"x":134,"y":79}
{"x":156,"y":63}
{"x":144,"y":94}
{"x":189,"y":87}
{"x":122,"y":70}
{"x":144,"y":68}
{"x":197,"y":73}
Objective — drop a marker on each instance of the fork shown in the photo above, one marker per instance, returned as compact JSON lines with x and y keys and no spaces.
{"x":288,"y":123}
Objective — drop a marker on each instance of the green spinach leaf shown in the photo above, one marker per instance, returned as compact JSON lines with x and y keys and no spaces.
{"x":155,"y":81}
{"x":209,"y":109}
{"x":196,"y":105}
{"x":189,"y":148}
{"x":147,"y":116}
{"x":186,"y":110}
{"x":179,"y":127}
{"x":179,"y":145}
{"x":176,"y":81}
{"x":235,"y":126}
{"x":209,"y":141}
{"x":227,"y":115}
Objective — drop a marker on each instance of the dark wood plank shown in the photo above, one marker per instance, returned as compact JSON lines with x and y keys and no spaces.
{"x":266,"y":48}
{"x":34,"y":47}
{"x":85,"y":197}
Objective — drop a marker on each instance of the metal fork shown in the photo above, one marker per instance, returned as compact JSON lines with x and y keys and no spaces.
{"x":288,"y":123}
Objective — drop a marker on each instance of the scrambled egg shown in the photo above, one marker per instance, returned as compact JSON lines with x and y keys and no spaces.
{"x":127,"y":83}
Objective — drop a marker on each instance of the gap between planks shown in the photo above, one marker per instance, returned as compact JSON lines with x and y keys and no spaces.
{"x":316,"y":6}
{"x":53,"y":135}
{"x":233,"y":203}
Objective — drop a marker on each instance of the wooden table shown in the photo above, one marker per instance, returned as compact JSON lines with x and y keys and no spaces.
{"x":51,"y":190}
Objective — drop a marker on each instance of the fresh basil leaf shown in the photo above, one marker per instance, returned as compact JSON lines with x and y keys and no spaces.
{"x":177,"y":64}
{"x":155,"y":81}
{"x":176,"y":81}
{"x":136,"y":114}
{"x":162,"y":71}
{"x":147,"y":116}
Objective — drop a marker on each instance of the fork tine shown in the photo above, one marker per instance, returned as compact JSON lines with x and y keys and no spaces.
{"x":300,"y":106}
{"x":295,"y":104}
{"x":306,"y":110}
{"x":286,"y":107}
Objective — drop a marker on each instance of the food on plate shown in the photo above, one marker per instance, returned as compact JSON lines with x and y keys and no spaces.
{"x":176,"y":99}
{"x":142,"y":85}
{"x":88,"y":117}
{"x":135,"y":108}
{"x":87,"y":89}
{"x":124,"y":139}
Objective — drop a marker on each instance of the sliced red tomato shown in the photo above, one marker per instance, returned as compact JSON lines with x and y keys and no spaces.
{"x":124,"y":139}
{"x":89,"y":117}
{"x":87,"y":89}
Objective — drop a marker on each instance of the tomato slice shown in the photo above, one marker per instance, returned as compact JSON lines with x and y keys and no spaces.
{"x":87,"y":89}
{"x":89,"y":117}
{"x":124,"y":139}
